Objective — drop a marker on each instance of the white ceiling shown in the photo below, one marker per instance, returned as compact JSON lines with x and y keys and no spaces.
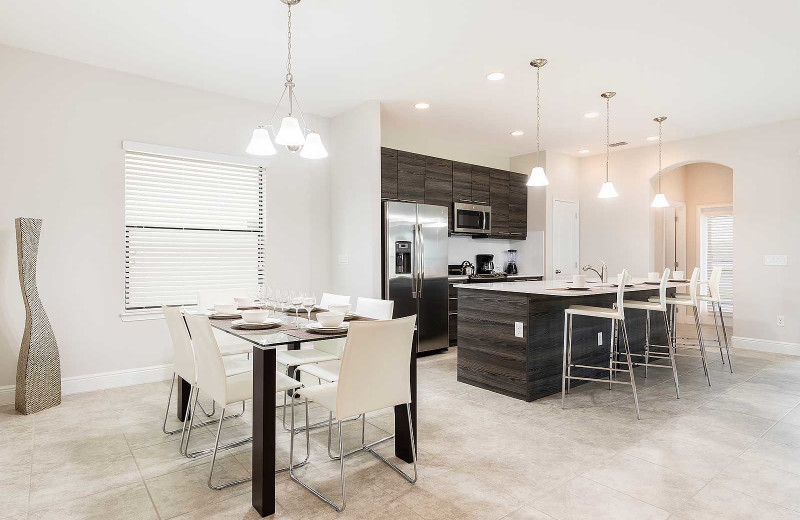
{"x":710,"y":65}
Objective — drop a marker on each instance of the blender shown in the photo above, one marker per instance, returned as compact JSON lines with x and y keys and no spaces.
{"x":511,"y":261}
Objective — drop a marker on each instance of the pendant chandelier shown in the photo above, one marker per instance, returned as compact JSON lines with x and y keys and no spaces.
{"x":607,"y":191}
{"x":660,"y":200}
{"x":538,"y":177}
{"x":290,"y":134}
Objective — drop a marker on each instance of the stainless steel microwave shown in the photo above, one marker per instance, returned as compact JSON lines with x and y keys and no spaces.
{"x":472,"y":218}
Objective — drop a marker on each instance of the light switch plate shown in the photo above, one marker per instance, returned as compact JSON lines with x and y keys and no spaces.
{"x":518,"y":329}
{"x":776,"y":260}
{"x":780,"y":321}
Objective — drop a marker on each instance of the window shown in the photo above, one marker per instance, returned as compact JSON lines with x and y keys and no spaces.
{"x":716,"y":249}
{"x":193,"y":223}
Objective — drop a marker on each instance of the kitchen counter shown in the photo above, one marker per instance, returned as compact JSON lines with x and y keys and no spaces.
{"x":464,"y":278}
{"x":528,"y":367}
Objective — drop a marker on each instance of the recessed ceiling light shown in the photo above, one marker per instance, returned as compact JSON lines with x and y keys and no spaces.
{"x":495,"y":76}
{"x":653,"y":138}
{"x":422,"y":106}
{"x":583,"y":151}
{"x":590,"y":115}
{"x":517,"y":133}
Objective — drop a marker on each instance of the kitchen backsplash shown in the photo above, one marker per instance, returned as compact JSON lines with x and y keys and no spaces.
{"x":462,"y":248}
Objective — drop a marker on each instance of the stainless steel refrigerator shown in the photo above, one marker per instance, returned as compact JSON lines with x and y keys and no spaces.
{"x":415,"y":268}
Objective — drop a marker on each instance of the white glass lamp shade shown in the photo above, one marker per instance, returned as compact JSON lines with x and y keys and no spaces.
{"x":607,"y":191}
{"x":290,"y":133}
{"x":260,"y":143}
{"x":659,"y":201}
{"x":538,"y":177}
{"x":313,"y":149}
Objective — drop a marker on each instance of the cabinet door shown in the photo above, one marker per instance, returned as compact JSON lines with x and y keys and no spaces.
{"x":462,"y":182}
{"x":410,"y":177}
{"x":517,"y":205}
{"x":388,"y":173}
{"x":439,"y":184}
{"x":498,"y":196}
{"x":480,"y":181}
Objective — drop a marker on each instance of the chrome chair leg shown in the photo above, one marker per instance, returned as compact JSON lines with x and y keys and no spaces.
{"x":564,"y":363}
{"x":569,"y":356}
{"x":291,"y":441}
{"x":214,"y":459}
{"x":191,"y":421}
{"x":646,"y":341}
{"x":166,"y":414}
{"x":672,"y":356}
{"x":716,"y":329}
{"x":725,"y":336}
{"x":702,"y":343}
{"x":611,"y":355}
{"x":630,"y":368}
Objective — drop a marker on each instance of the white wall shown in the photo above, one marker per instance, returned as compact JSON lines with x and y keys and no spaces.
{"x":355,"y":222}
{"x":766,"y":180}
{"x":61,"y":160}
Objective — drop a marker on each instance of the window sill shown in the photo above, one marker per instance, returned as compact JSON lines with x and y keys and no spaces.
{"x":141,"y":315}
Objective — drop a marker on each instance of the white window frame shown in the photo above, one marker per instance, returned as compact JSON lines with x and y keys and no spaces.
{"x":704,"y":211}
{"x":137,"y":314}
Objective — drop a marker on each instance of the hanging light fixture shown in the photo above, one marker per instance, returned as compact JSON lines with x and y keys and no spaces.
{"x":291,"y":134}
{"x":607,"y":191}
{"x":538,"y":177}
{"x":660,"y":200}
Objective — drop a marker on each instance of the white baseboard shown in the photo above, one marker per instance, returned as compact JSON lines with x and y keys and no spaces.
{"x":101,"y":381}
{"x":765,"y":345}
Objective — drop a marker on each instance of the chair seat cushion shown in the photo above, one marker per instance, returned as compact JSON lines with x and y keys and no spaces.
{"x":644,"y":306}
{"x":303,"y":356}
{"x":324,"y":395}
{"x":597,"y":312}
{"x":680,"y":301}
{"x":284,"y":382}
{"x":327,"y":371}
{"x":239,"y":387}
{"x":235,"y":366}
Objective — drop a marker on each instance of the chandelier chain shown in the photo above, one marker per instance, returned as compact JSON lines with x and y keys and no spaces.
{"x":538,"y":116}
{"x":659,"y":156}
{"x":608,"y":132}
{"x":289,"y":77}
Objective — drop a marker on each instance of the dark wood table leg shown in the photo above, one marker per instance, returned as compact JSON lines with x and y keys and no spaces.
{"x":264,"y":431}
{"x":184,"y":392}
{"x":402,"y":436}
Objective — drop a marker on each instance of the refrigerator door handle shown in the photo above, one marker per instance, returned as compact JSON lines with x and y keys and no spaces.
{"x":422,"y":261}
{"x":415,"y":265}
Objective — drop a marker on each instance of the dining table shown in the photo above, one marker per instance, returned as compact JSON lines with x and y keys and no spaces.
{"x":291,"y":334}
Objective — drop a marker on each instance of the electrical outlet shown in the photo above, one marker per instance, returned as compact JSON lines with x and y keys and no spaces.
{"x":776,"y":260}
{"x":780,"y":321}
{"x":599,"y":339}
{"x":518,"y":329}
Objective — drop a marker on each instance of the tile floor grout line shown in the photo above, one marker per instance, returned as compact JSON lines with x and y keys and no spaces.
{"x":144,"y":483}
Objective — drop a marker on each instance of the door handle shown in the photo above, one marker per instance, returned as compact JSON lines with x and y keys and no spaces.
{"x":422,"y":262}
{"x":558,"y":271}
{"x":414,"y":265}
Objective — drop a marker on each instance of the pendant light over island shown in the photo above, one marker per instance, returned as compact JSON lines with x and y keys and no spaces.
{"x":538,"y":177}
{"x":607,"y":191}
{"x":660,"y":200}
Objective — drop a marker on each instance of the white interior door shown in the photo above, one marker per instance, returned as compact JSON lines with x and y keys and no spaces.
{"x":675,"y":237}
{"x":565,"y":239}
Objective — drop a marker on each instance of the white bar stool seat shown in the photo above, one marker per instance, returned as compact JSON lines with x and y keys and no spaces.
{"x":597,"y":312}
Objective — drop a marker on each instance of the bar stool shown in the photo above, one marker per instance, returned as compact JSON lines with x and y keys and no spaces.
{"x":715,"y":300}
{"x":374,"y":375}
{"x":617,"y":317}
{"x":227,"y":388}
{"x":657,"y":306}
{"x":691,"y":301}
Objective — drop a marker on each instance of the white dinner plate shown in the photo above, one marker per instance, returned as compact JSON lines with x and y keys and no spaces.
{"x":214,"y":315}
{"x":269,"y":323}
{"x":315,"y":326}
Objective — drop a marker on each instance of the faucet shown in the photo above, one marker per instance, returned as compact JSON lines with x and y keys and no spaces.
{"x":602,"y":273}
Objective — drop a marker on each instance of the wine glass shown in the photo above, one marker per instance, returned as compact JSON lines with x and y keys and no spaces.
{"x":297,"y":302}
{"x":309,"y":302}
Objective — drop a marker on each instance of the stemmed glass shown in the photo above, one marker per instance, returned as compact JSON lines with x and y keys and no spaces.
{"x":297,"y":302}
{"x":309,"y":302}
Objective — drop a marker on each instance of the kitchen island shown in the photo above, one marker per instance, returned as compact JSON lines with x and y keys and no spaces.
{"x":492,"y":356}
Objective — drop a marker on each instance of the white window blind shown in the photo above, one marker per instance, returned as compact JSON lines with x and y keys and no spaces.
{"x":191,"y":225}
{"x":717,"y":250}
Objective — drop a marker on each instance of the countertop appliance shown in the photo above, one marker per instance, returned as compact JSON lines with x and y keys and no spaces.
{"x":511,"y":261}
{"x":485,"y":264}
{"x":472,"y":219}
{"x":415,"y":268}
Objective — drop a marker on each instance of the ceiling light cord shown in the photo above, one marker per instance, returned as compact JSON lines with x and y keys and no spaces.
{"x":608,"y":132}
{"x":659,"y":157}
{"x":538,"y":114}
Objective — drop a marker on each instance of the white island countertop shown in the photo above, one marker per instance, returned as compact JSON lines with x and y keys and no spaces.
{"x":559,"y":287}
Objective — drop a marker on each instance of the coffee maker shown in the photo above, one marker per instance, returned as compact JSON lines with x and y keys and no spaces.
{"x":484,"y":264}
{"x":511,"y":261}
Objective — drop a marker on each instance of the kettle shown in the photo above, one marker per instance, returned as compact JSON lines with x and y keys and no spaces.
{"x":467,"y":268}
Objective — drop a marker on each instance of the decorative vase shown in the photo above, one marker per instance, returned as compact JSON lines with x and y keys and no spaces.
{"x":39,"y":366}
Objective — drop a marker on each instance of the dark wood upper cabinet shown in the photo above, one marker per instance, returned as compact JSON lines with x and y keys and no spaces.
{"x":410,"y":177}
{"x":498,"y":197}
{"x":438,"y":181}
{"x":480,"y":180}
{"x":462,"y":182}
{"x":517,"y":205}
{"x":388,"y":173}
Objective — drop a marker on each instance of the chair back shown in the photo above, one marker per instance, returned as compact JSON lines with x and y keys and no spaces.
{"x":375,"y":309}
{"x":207,"y":299}
{"x":376,"y":366}
{"x":713,"y":282}
{"x":620,"y":293}
{"x":662,"y":290}
{"x":210,"y":368}
{"x":694,"y":285}
{"x":181,"y":344}
{"x":329,"y":299}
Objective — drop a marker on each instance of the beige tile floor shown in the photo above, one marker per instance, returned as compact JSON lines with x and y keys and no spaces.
{"x":729,"y":451}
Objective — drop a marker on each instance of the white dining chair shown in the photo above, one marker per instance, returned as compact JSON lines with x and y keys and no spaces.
{"x":329,"y":299}
{"x":375,"y":374}
{"x":657,"y":306}
{"x":227,"y":387}
{"x":617,"y":317}
{"x":691,"y":302}
{"x":229,"y":345}
{"x":183,"y":365}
